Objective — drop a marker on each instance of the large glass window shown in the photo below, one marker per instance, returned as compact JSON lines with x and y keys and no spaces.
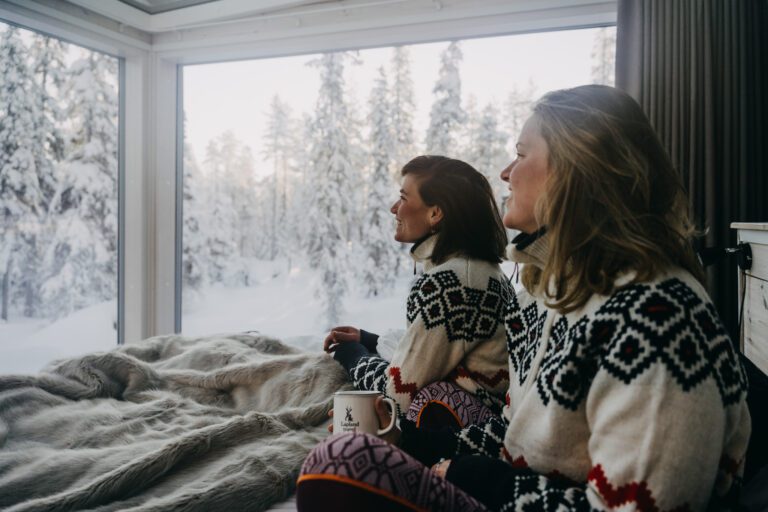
{"x":58,"y":200}
{"x":291,"y":165}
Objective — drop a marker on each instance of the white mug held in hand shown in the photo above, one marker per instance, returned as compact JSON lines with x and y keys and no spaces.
{"x":355,"y":411}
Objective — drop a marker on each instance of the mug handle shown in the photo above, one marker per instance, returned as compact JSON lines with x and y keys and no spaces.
{"x":391,"y":425}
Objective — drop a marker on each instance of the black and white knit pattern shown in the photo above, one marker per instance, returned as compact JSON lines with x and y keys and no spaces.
{"x":370,"y":373}
{"x":524,"y":327}
{"x":467,"y":314}
{"x":640,"y":326}
{"x":537,"y":493}
{"x":486,"y":439}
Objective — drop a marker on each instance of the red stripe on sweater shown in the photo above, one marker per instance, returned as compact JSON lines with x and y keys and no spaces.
{"x":636,"y":492}
{"x":400,"y":387}
{"x":499,"y":376}
{"x":518,"y":462}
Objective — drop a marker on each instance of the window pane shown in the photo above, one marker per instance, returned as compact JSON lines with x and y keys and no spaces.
{"x":291,"y":165}
{"x":58,"y":200}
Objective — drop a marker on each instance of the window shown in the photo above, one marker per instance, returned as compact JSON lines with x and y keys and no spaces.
{"x":291,"y":165}
{"x":58,"y":200}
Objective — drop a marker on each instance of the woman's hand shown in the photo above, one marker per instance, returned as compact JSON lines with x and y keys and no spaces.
{"x":441,"y":468}
{"x":385,"y":417}
{"x":341,"y":334}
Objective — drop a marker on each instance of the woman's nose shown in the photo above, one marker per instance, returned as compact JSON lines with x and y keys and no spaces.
{"x":506,"y":171}
{"x":393,"y":208}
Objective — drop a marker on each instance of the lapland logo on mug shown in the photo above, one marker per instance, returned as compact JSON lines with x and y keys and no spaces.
{"x":355,"y":411}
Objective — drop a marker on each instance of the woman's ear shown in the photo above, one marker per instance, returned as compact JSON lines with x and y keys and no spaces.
{"x":435,"y":216}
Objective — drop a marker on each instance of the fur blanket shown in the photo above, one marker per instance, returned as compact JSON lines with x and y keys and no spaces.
{"x":169,"y":423}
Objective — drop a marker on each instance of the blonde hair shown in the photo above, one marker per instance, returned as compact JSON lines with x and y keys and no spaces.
{"x":613,"y":201}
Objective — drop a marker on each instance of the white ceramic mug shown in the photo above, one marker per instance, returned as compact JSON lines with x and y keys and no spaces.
{"x":355,"y":411}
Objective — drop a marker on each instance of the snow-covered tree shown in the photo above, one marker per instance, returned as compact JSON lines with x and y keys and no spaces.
{"x":519,"y":104}
{"x":223,"y":228}
{"x":196,"y":253}
{"x":81,"y":258}
{"x":447,"y":116}
{"x":380,"y":248}
{"x":334,"y":175}
{"x":302,"y":189}
{"x":488,"y":147}
{"x":403,"y":109}
{"x":604,"y":56}
{"x":22,"y":201}
{"x":471,"y":125}
{"x":47,"y":56}
{"x":280,"y":147}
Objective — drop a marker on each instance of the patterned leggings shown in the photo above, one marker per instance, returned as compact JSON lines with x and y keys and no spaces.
{"x":362,"y":472}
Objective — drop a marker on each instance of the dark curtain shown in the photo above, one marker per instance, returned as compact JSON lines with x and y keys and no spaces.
{"x":699,"y":70}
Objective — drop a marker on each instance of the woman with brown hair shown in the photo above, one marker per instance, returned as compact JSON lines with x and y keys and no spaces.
{"x":451,"y":359}
{"x":625,"y":390}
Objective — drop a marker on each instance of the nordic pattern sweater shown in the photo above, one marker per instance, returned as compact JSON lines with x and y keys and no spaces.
{"x":455,"y":332}
{"x":636,"y":401}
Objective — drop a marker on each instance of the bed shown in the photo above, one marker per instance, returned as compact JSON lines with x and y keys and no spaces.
{"x":170,"y":423}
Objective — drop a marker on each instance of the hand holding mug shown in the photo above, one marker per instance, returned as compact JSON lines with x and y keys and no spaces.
{"x":341,"y":334}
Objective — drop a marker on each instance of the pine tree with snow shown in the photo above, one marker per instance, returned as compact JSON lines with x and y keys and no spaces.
{"x":22,"y":201}
{"x":447,"y":116}
{"x":223,"y":223}
{"x":196,"y":253}
{"x":243,"y":197}
{"x":403,"y":109}
{"x":333,"y":204}
{"x":488,"y":148}
{"x":466,"y":150}
{"x":604,"y":56}
{"x":81,"y":259}
{"x":50,"y":70}
{"x":280,"y":145}
{"x":519,"y":107}
{"x":302,"y":189}
{"x":381,"y":250}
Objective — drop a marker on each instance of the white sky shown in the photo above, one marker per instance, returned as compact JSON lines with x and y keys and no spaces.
{"x":236,"y":95}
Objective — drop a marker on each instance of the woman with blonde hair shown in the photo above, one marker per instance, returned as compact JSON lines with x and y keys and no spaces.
{"x":625,"y":390}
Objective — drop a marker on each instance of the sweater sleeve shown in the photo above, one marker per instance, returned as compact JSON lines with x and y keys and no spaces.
{"x":431,"y":445}
{"x":446,"y":320}
{"x":665,"y":409}
{"x":500,"y":486}
{"x":367,"y":370}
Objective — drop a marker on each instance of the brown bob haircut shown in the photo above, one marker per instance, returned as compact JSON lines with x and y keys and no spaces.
{"x":471,"y":225}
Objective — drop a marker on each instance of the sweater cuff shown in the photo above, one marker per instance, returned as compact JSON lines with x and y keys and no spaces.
{"x":369,"y":340}
{"x":427,"y":445}
{"x":348,"y":354}
{"x":483,"y":478}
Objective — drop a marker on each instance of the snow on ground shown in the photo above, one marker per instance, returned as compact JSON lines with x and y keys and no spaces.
{"x":26,"y":346}
{"x":278,"y":304}
{"x":284,"y":306}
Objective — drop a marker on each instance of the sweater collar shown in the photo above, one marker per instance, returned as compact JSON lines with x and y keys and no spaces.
{"x":530,"y":248}
{"x":422,"y":250}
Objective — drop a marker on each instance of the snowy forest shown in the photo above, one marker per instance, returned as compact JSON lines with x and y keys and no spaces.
{"x":58,"y":176}
{"x":323,"y":207}
{"x":312,"y":204}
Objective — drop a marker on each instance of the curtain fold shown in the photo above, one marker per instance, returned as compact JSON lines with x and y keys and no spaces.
{"x":699,"y":70}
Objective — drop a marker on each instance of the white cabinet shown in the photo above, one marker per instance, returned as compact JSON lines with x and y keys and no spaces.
{"x":754,"y":330}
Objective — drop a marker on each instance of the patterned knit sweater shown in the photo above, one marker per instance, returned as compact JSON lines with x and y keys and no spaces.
{"x":455,"y":332}
{"x":634,"y":402}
